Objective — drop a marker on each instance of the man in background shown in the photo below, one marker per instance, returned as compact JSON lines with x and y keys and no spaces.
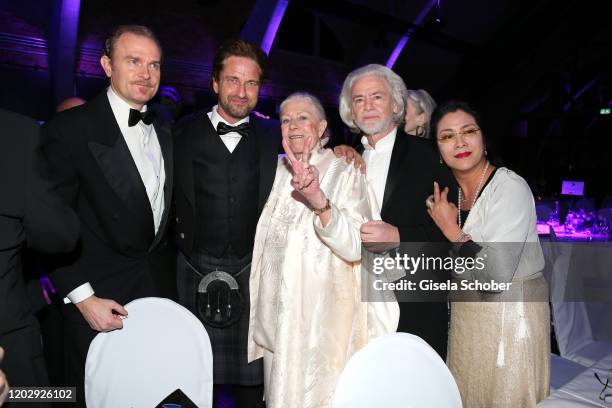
{"x":30,"y":215}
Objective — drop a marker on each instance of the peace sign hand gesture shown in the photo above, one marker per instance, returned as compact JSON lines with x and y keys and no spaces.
{"x":305,"y":178}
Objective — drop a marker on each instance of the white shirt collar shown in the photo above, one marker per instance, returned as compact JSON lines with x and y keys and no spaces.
{"x":384,"y":144}
{"x":120,"y":108}
{"x":215,"y":118}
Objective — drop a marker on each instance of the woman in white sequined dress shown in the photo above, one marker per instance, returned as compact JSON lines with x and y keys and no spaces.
{"x":499,"y":344}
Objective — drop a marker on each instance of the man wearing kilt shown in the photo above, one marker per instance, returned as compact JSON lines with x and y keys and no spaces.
{"x":225,"y":163}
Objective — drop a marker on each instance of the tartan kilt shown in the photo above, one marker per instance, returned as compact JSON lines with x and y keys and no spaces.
{"x":229,"y":344}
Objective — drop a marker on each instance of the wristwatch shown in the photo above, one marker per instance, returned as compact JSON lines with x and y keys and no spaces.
{"x":319,"y":211}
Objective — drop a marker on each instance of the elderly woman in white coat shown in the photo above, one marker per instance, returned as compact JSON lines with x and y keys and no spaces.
{"x":307,"y":317}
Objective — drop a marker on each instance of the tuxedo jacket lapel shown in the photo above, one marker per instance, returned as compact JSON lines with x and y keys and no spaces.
{"x":394,"y":175}
{"x":164,"y":137}
{"x":116,"y":163}
{"x":165,"y":142}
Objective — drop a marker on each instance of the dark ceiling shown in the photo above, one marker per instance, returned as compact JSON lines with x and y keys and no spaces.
{"x":539,"y":70}
{"x":535,"y":55}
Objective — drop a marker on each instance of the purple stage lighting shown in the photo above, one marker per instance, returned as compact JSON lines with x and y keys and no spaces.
{"x":404,"y":40}
{"x":277,"y":17}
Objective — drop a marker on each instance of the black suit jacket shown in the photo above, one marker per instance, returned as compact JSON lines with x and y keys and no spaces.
{"x":29,"y":214}
{"x":413,"y":169}
{"x":91,"y":167}
{"x":268,"y":135}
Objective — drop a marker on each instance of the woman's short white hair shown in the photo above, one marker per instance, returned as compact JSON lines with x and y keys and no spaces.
{"x":317,"y":105}
{"x":424,"y":103}
{"x":397,"y":89}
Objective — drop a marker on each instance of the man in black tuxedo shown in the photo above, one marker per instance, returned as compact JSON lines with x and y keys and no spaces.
{"x":401,"y":169}
{"x":29,"y":214}
{"x":225,"y":166}
{"x":113,"y":164}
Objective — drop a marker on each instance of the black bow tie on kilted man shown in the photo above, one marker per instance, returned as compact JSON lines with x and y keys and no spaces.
{"x":136,"y":116}
{"x":242,"y":129}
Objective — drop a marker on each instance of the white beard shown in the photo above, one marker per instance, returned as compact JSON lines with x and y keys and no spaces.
{"x":375,"y":128}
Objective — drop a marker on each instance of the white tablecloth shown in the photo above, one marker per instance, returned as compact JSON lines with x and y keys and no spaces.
{"x":582,"y":391}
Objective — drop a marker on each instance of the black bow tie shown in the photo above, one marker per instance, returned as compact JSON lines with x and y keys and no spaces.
{"x":223,"y":128}
{"x":136,"y":116}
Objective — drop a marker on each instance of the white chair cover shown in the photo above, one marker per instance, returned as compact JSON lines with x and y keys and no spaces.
{"x":396,"y":370}
{"x":583,"y":390}
{"x":162,"y":347}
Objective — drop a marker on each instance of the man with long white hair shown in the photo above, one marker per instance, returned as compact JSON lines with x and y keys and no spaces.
{"x":402,"y":171}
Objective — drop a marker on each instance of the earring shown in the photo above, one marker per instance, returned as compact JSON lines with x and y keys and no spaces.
{"x":441,"y":162}
{"x":485,"y":152}
{"x":420,"y":130}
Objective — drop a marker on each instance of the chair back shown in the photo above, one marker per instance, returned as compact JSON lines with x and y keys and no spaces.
{"x":161,"y":348}
{"x":396,"y":370}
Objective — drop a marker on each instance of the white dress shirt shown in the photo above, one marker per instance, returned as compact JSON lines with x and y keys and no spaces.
{"x":144,"y":147}
{"x":377,"y":161}
{"x":231,"y":139}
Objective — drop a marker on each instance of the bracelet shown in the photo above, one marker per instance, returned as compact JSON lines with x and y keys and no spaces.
{"x":462,"y":237}
{"x":319,"y":211}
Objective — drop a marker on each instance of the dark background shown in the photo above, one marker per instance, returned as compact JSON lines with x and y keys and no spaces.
{"x":539,"y":71}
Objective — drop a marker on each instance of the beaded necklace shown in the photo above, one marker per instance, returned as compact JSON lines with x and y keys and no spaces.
{"x":482,"y":177}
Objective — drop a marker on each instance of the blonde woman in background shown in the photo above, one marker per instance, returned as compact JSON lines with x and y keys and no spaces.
{"x":419,"y":107}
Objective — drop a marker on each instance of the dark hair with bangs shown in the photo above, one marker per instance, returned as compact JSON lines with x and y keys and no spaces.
{"x":455,"y":106}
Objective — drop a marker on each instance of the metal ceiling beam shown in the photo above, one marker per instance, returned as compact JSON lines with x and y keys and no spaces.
{"x":373,"y":19}
{"x":401,"y":44}
{"x":264,"y":20}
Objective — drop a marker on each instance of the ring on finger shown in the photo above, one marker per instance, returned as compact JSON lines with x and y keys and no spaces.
{"x":429,"y":203}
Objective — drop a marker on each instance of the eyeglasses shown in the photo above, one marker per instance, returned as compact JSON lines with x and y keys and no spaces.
{"x":448,"y":135}
{"x":608,"y":384}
